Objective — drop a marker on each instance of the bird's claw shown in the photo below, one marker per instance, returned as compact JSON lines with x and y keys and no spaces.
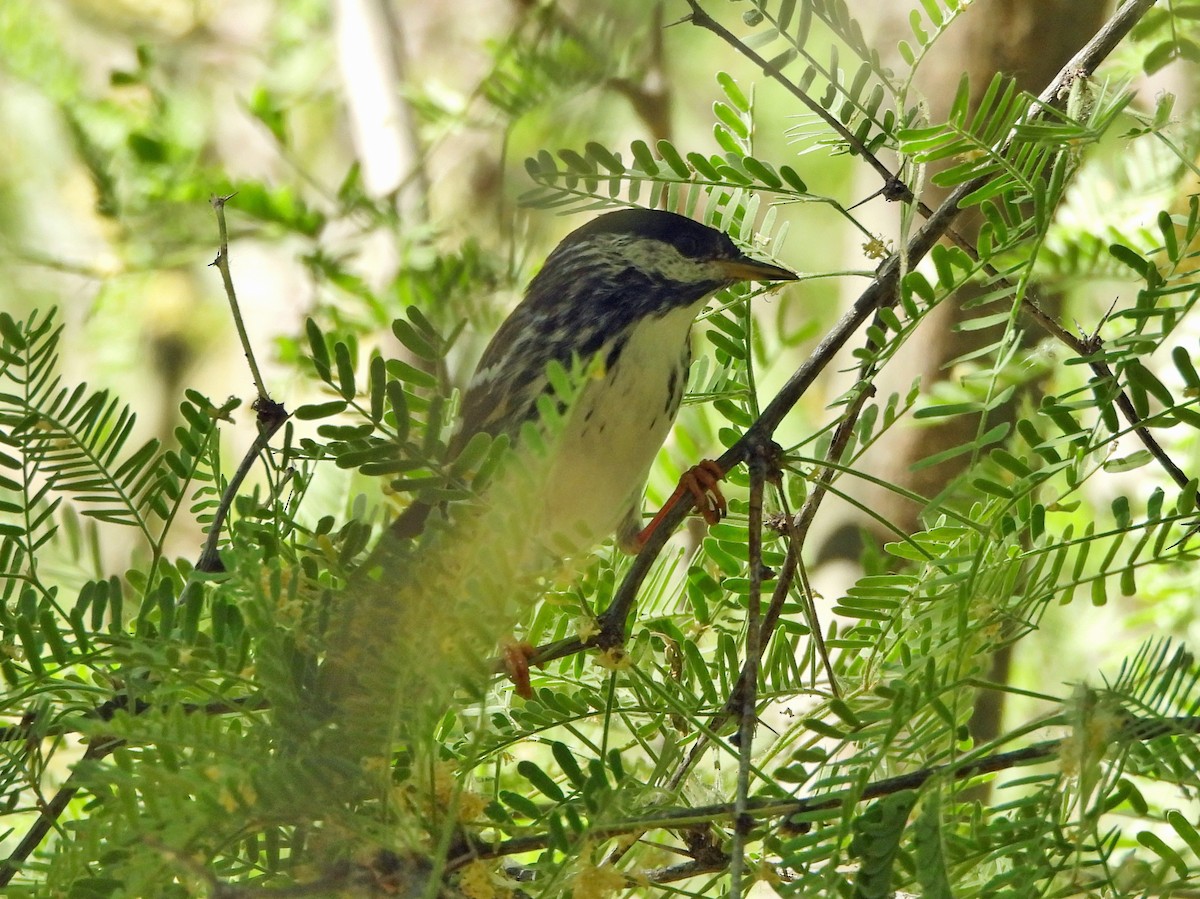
{"x":702,"y":482}
{"x":517,"y":656}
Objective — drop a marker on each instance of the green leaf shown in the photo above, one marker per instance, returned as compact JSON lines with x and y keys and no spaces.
{"x":10,"y":332}
{"x":30,"y":644}
{"x":53,"y":637}
{"x":933,"y":11}
{"x":1145,"y":379}
{"x":703,"y":166}
{"x":376,"y":387}
{"x":1121,"y":514}
{"x":496,"y":454}
{"x":1170,"y":240}
{"x":946,"y":410}
{"x":604,"y":157}
{"x":398,"y":405}
{"x":672,"y":158}
{"x":410,"y":374}
{"x":793,"y":180}
{"x":1130,"y":257}
{"x":721,"y":342}
{"x":1183,"y":364}
{"x":282,"y":205}
{"x":317,"y":348}
{"x":415,"y":341}
{"x":783,"y":17}
{"x":269,"y":110}
{"x":520,"y":804}
{"x":566,"y":761}
{"x":1186,"y":501}
{"x":472,"y":454}
{"x":315,"y":411}
{"x":817,"y":726}
{"x":731,"y":90}
{"x":844,"y":712}
{"x":1186,"y":831}
{"x":726,"y":141}
{"x":1155,"y":844}
{"x":1135,"y":460}
{"x":927,"y":842}
{"x":985,"y":485}
{"x":731,"y":120}
{"x":876,"y":842}
{"x":643,"y":157}
{"x":345,"y":371}
{"x":1012,"y":463}
{"x":540,"y":780}
{"x":762,"y":171}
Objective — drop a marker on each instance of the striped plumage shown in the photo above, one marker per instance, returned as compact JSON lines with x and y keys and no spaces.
{"x":624,"y":287}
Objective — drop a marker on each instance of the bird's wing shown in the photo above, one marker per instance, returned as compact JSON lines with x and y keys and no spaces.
{"x":511,"y":375}
{"x":494,"y":403}
{"x":496,"y":407}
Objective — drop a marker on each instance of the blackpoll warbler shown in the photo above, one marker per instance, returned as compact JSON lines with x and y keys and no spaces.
{"x":623,"y":289}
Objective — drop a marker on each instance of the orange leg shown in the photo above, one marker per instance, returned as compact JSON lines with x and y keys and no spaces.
{"x":516,"y":663}
{"x":703,"y":483}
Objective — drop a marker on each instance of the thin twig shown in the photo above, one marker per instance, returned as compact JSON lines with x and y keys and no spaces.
{"x":222,"y":264}
{"x":797,"y":527}
{"x":270,"y":414}
{"x":1101,"y":370}
{"x":761,"y":467}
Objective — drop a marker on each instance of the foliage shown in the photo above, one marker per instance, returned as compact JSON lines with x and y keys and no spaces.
{"x":166,"y":718}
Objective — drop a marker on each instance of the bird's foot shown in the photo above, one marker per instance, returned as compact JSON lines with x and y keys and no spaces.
{"x":517,"y":655}
{"x":702,"y":482}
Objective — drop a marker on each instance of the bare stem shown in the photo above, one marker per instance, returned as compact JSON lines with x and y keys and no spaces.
{"x":222,"y":264}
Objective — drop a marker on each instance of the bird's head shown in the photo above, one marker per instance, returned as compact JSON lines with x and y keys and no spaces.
{"x":650,"y":259}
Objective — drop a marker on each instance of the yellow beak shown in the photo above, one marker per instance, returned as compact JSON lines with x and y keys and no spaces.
{"x":746,"y":269}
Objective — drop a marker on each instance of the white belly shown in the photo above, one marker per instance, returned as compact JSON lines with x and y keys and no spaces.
{"x":611,"y":436}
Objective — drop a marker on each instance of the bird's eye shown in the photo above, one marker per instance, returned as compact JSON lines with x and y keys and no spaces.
{"x":688,"y":245}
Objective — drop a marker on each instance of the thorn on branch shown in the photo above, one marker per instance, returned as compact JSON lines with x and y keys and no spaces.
{"x":894,"y":190}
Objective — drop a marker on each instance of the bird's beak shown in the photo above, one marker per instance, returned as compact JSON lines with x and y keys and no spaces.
{"x":746,"y":269}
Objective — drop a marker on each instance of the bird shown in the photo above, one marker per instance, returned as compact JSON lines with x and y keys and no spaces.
{"x":621,"y":291}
